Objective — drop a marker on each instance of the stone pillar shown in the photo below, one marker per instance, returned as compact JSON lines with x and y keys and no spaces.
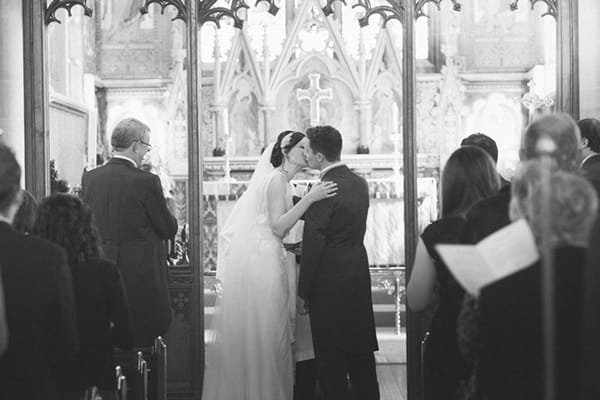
{"x":11,"y":78}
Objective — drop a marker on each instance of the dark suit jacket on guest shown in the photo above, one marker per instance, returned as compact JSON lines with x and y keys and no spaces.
{"x":590,"y":376}
{"x":132,"y":216}
{"x":41,"y":317}
{"x":590,"y":389}
{"x":103,"y":319}
{"x":334,"y":273}
{"x":591,"y":170}
{"x":511,"y":335}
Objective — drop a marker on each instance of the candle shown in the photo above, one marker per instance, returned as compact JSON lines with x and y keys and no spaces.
{"x":395,"y":118}
{"x":226,"y":121}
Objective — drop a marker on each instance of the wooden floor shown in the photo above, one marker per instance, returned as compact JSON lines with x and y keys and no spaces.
{"x":392,"y":381}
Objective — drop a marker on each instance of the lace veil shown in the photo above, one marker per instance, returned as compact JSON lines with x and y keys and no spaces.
{"x":237,"y":230}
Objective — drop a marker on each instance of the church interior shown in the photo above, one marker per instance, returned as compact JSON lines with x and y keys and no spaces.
{"x":404,"y":81}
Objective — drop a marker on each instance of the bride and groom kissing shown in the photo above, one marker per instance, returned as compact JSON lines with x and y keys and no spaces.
{"x":267,"y":314}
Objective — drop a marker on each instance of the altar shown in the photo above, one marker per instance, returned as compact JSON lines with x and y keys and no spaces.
{"x":226,"y":180}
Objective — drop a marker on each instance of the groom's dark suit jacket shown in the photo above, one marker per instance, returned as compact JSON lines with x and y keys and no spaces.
{"x":334,"y":274}
{"x":132,"y":216}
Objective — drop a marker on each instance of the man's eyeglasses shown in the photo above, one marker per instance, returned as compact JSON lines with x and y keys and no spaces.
{"x":147,"y":144}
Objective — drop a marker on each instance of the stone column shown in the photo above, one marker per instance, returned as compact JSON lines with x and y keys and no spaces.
{"x":11,"y":77}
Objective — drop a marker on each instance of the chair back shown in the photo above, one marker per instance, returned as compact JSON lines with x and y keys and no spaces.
{"x":140,"y":382}
{"x":159,"y":370}
{"x":121,"y":384}
{"x":91,"y":394}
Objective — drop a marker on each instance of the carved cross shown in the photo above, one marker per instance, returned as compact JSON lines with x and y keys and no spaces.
{"x":314,"y":94}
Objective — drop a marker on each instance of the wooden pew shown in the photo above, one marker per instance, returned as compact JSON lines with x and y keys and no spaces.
{"x":91,"y":393}
{"x":146,"y":371}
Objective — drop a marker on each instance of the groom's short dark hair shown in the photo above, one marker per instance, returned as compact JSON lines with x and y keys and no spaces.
{"x":325,"y":140}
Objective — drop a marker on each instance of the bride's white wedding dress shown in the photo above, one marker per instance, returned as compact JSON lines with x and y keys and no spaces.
{"x":249,"y":356}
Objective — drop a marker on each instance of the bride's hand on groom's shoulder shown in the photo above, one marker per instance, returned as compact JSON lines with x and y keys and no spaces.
{"x":322,"y":190}
{"x":301,"y":306}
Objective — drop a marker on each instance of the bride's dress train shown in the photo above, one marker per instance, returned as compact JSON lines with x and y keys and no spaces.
{"x":249,"y":353}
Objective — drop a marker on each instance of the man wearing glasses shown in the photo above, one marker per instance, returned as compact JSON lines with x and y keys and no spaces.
{"x":133,"y":219}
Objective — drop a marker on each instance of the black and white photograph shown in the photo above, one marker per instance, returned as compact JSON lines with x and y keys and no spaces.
{"x":299,"y":200}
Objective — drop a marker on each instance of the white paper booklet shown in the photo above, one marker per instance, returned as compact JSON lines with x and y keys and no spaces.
{"x":504,"y":252}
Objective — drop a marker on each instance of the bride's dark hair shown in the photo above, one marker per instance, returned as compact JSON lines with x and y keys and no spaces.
{"x":279,"y":152}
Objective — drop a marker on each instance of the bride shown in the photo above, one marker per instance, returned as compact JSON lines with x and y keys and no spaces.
{"x":250,"y":355}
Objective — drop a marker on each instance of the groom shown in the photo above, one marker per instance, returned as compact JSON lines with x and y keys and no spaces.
{"x":335,"y":283}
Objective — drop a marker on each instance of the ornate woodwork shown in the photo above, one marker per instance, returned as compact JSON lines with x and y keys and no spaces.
{"x":328,"y":7}
{"x":395,"y":10}
{"x":55,"y":5}
{"x":552,"y":6}
{"x":208,"y":13}
{"x":178,"y":4}
{"x":196,"y":358}
{"x":421,"y":3}
{"x":272,"y":7}
{"x":37,"y":163}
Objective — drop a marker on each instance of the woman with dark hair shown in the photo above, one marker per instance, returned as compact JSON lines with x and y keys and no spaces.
{"x":250,"y":355}
{"x":469,"y":176}
{"x":102,"y":313}
{"x":25,"y":217}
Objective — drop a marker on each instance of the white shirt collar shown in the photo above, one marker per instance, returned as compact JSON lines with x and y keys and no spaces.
{"x":329,"y":168}
{"x":125,"y":158}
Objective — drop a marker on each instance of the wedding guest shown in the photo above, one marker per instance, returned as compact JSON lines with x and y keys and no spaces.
{"x":38,"y":294}
{"x":134,"y":220}
{"x":590,"y":132}
{"x":590,"y":152}
{"x":25,"y":217}
{"x":469,"y":176}
{"x":511,"y":359}
{"x":491,"y":214}
{"x":102,"y":314}
{"x":489,"y":145}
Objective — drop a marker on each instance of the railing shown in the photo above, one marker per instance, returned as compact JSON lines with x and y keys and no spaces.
{"x":394,"y":285}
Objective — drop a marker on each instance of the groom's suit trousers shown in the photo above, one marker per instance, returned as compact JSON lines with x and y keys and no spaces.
{"x":334,"y":366}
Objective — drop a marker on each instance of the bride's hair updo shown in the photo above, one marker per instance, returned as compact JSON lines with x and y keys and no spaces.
{"x":284,"y":144}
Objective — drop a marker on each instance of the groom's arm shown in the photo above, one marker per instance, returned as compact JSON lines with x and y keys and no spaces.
{"x":316,"y":221}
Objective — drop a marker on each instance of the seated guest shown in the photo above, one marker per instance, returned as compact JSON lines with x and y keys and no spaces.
{"x":489,"y":145}
{"x":102,"y":313}
{"x":38,"y":294}
{"x":511,"y":360}
{"x":469,"y":176}
{"x":25,"y":217}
